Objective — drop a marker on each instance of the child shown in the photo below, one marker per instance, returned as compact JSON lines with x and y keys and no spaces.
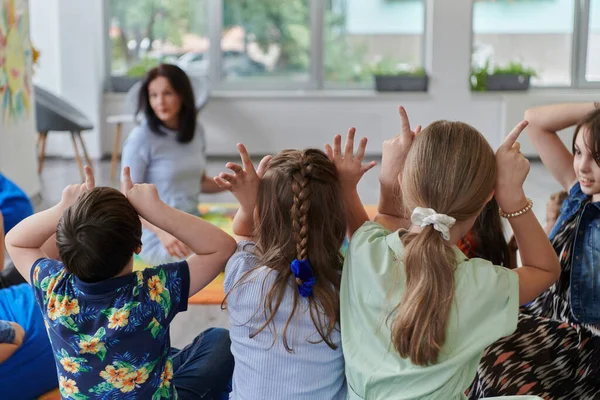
{"x":555,"y":349}
{"x":108,"y":325}
{"x":487,"y":240}
{"x":416,"y":315}
{"x":283,"y":283}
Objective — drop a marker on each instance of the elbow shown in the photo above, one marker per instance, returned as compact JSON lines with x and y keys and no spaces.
{"x":530,"y":116}
{"x":228,"y":248}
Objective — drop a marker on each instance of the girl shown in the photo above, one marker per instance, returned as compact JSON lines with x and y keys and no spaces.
{"x":555,"y":349}
{"x":168,"y":149}
{"x":487,"y":240}
{"x":416,"y":315}
{"x":283,"y":283}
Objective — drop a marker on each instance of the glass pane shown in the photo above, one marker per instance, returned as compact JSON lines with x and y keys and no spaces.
{"x":265,"y":40}
{"x":144,"y":33}
{"x":534,"y":34}
{"x":592,"y":72}
{"x":376,"y":36}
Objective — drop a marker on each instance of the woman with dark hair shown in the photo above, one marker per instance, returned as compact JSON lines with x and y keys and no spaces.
{"x":168,"y":149}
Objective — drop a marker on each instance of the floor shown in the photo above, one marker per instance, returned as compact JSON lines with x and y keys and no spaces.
{"x":59,"y":173}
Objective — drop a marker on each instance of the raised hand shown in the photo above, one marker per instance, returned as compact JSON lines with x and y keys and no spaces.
{"x":72,"y":192}
{"x":395,"y":150}
{"x":349,"y":165}
{"x":142,"y":196}
{"x":243,"y":182}
{"x":511,"y":170}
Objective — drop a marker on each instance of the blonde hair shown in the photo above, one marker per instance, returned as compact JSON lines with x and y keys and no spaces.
{"x":301,"y":216}
{"x":450,"y":168}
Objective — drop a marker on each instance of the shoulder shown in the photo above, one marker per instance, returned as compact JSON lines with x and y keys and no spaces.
{"x":243,"y":260}
{"x":373,"y":237}
{"x":140,"y":133}
{"x":489,"y":279}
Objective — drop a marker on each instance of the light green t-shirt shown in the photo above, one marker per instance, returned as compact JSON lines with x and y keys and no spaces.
{"x":486,"y":307}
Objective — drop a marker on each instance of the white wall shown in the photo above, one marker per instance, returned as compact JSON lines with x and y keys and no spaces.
{"x":71,"y":37}
{"x":17,"y":151}
{"x":270,"y":121}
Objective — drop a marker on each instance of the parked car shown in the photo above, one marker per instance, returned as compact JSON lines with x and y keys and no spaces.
{"x":234,"y":63}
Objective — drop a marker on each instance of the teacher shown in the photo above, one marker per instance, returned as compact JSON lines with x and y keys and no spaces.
{"x":168,"y":149}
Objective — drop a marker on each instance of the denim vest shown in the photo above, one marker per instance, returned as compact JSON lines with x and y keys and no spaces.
{"x":585,"y":262}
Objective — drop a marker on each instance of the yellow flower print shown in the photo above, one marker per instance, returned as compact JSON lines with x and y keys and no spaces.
{"x":70,"y":365}
{"x":156,"y":288}
{"x":53,"y":308}
{"x":129,"y":382}
{"x":92,"y":347}
{"x":114,"y":376}
{"x":142,"y":375}
{"x":118,"y":319}
{"x":167,"y":375}
{"x":68,"y":308}
{"x":67,"y":386}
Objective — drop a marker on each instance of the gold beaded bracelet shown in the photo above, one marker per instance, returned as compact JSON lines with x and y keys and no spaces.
{"x":516,"y":213}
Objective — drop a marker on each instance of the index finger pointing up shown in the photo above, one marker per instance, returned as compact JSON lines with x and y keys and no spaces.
{"x":246,"y":161}
{"x":512,"y":137}
{"x":404,"y":122}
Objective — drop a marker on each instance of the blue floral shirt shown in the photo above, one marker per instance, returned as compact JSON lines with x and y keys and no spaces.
{"x":111,"y":339}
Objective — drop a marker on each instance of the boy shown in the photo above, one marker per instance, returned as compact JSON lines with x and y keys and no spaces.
{"x":108,"y":325}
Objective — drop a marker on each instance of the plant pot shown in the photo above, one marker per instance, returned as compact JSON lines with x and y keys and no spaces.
{"x":401,"y":83}
{"x":507,"y":82}
{"x":122,"y":84}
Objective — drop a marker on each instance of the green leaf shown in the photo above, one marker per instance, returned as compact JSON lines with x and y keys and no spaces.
{"x":108,"y":312}
{"x":154,"y":327}
{"x":100,"y":333}
{"x":44,"y":284}
{"x":162,"y":276}
{"x":166,"y":306}
{"x":136,"y":290}
{"x":101,"y":388}
{"x":101,"y":352}
{"x":69,"y":323}
{"x":157,"y":395}
{"x":125,"y":365}
{"x":130,"y":305}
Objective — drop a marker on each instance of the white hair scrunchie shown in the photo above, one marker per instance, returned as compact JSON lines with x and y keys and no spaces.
{"x":428,"y":216}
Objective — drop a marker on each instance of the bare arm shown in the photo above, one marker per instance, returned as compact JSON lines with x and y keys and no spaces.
{"x":26,"y":241}
{"x":14,"y":330}
{"x":211,"y":245}
{"x":208,"y":185}
{"x":544,"y":123}
{"x":540,"y":264}
{"x":390,"y":211}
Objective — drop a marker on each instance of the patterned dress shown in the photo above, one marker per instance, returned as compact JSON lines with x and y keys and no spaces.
{"x":549,"y":355}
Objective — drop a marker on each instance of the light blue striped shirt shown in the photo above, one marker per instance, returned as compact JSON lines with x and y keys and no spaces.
{"x":265,"y":369}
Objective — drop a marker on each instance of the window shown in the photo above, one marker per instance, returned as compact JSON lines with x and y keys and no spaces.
{"x":535,"y":33}
{"x":592,"y":72}
{"x":361,"y":35}
{"x":265,"y":40}
{"x":144,"y":33}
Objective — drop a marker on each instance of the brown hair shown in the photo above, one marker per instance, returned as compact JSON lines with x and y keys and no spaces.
{"x":452,"y":169}
{"x":301,"y":216}
{"x":97,"y":236}
{"x":488,"y":231}
{"x":592,"y":123}
{"x":181,"y":84}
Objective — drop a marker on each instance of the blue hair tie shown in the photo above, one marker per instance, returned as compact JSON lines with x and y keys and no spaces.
{"x":304,"y":276}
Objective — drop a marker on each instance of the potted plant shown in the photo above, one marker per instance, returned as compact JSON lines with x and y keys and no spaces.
{"x":394,"y":77}
{"x":514,"y":76}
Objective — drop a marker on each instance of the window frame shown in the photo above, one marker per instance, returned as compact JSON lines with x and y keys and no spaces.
{"x":316,"y":79}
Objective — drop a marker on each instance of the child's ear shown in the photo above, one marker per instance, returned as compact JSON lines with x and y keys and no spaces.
{"x":138,"y":250}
